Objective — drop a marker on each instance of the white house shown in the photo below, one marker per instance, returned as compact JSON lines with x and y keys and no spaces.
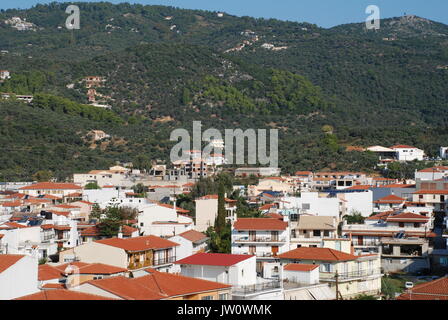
{"x":408,"y":153}
{"x":306,"y":274}
{"x":162,"y":220}
{"x":18,"y":276}
{"x":132,"y":253}
{"x":50,"y":188}
{"x":190,"y":242}
{"x":444,"y":153}
{"x":314,"y":203}
{"x":233,"y":269}
{"x":262,"y":237}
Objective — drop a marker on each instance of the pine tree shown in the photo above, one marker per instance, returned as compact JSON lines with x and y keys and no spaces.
{"x":220,"y":222}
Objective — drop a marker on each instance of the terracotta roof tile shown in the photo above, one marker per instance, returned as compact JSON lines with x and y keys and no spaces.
{"x":8,"y":260}
{"x":300,"y":267}
{"x":62,"y":294}
{"x":193,"y":235}
{"x":433,"y":290}
{"x":260,"y":224}
{"x":318,"y":254}
{"x":139,"y":243}
{"x":51,"y":186}
{"x":47,"y":272}
{"x":126,"y":289}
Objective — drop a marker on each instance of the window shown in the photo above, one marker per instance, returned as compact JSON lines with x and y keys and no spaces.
{"x":325,"y":267}
{"x":401,"y":224}
{"x":299,"y":246}
{"x":313,"y":245}
{"x":316,"y":233}
{"x":141,"y":224}
{"x":223,"y":296}
{"x":326,"y":233}
{"x":207,"y":298}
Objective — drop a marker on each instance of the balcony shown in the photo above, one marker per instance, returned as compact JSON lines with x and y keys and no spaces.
{"x":347,"y":276}
{"x":259,"y":239}
{"x":256,"y":288}
{"x":162,"y":261}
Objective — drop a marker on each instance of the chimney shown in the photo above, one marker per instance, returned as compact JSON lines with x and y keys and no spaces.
{"x":120,"y":232}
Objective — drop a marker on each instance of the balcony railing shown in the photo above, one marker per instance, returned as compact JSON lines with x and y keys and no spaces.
{"x":260,"y":239}
{"x":256,"y":288}
{"x":158,"y":262}
{"x":331,"y":276}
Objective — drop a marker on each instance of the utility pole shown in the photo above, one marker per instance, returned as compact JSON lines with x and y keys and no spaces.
{"x":336,"y":276}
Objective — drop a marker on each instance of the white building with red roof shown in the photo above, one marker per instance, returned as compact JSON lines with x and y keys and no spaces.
{"x":408,"y":153}
{"x":432,"y":290}
{"x":50,"y":188}
{"x":132,"y":253}
{"x":264,"y":238}
{"x":190,"y":242}
{"x":357,"y":274}
{"x":387,"y":203}
{"x":236,"y":270}
{"x":18,"y":276}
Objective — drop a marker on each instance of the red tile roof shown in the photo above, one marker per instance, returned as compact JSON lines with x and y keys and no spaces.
{"x":390,"y":199}
{"x":47,"y":272}
{"x":407,"y":217}
{"x":300,"y":267}
{"x":318,"y":254}
{"x":99,"y":268}
{"x":431,"y":192}
{"x":260,"y":224}
{"x":63,"y":267}
{"x":193,"y":235}
{"x":51,"y":186}
{"x":435,"y":169}
{"x":402,"y":146}
{"x":177,"y":285}
{"x":62,"y":294}
{"x":433,"y":290}
{"x":126,"y":289}
{"x":214,"y":259}
{"x":12,"y":225}
{"x":139,"y":243}
{"x":16,"y":203}
{"x":398,"y":185}
{"x":360,"y":187}
{"x":66,"y":206}
{"x":8,"y":260}
{"x":380,"y":216}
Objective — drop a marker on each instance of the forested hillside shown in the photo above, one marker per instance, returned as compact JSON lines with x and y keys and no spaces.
{"x":165,"y":67}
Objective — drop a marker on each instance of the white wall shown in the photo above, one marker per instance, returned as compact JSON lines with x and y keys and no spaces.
{"x":359,"y":201}
{"x":20,"y":279}
{"x":305,"y":277}
{"x":318,"y":206}
{"x":206,"y":211}
{"x":240,"y":274}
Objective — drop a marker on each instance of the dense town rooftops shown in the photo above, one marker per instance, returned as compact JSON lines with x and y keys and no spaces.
{"x":51,"y":186}
{"x":260,"y":224}
{"x":214,"y":259}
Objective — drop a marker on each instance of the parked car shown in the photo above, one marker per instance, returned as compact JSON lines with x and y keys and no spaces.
{"x":409,"y":285}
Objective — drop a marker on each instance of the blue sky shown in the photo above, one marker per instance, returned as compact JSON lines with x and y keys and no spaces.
{"x":325,"y":13}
